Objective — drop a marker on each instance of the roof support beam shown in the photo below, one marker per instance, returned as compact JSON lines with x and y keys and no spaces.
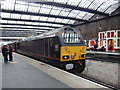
{"x":35,"y":21}
{"x":19,"y":30}
{"x":40,"y":14}
{"x":28,"y":25}
{"x":24,"y":28}
{"x":73,"y":7}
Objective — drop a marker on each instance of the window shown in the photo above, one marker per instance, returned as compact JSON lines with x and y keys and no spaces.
{"x":72,"y":38}
{"x":118,"y":44}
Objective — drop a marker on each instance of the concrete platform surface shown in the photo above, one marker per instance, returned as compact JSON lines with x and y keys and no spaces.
{"x":25,"y":72}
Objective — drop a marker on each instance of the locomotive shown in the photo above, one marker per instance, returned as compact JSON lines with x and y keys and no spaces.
{"x":63,"y":47}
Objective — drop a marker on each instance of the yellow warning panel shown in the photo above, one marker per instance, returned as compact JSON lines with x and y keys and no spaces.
{"x":12,"y":62}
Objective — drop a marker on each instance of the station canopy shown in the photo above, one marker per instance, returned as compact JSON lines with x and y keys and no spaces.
{"x":37,"y":16}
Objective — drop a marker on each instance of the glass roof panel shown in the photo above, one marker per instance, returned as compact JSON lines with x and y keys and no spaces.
{"x":29,"y":23}
{"x":58,"y":20}
{"x":20,"y":22}
{"x":96,"y":4}
{"x":11,"y":21}
{"x":81,"y":15}
{"x":3,"y":21}
{"x":57,"y":8}
{"x":73,"y":2}
{"x":66,"y":9}
{"x":21,"y":7}
{"x":5,"y":15}
{"x":34,"y":9}
{"x":48,"y":28}
{"x":48,"y":24}
{"x":55,"y":25}
{"x":51,"y":19}
{"x":22,"y":2}
{"x":42,"y":24}
{"x":35,"y":23}
{"x":35,"y":17}
{"x":65,"y":20}
{"x":8,"y":4}
{"x":43,"y":18}
{"x":45,"y":10}
{"x":39,"y":31}
{"x":60,"y":25}
{"x":88,"y":16}
{"x":112,"y":8}
{"x":60,"y":1}
{"x":16,"y":16}
{"x":55,"y":11}
{"x":64,"y":13}
{"x":71,"y":21}
{"x":85,"y":3}
{"x":25,"y":17}
{"x":46,"y":6}
{"x":73,"y":13}
{"x":103,"y":7}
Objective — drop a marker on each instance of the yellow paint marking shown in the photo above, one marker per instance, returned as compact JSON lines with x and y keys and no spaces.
{"x":12,"y":62}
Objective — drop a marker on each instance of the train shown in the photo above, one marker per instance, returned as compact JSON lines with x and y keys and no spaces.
{"x":63,"y":47}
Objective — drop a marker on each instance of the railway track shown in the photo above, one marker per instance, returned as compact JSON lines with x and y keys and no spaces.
{"x":104,"y":59}
{"x":93,"y":80}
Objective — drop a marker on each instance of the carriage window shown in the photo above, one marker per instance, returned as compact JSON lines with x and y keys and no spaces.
{"x":72,"y":38}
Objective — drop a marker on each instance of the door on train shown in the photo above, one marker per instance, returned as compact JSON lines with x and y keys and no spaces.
{"x":111,"y":42}
{"x":46,"y":46}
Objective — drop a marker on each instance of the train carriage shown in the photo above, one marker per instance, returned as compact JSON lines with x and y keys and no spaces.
{"x":63,"y":47}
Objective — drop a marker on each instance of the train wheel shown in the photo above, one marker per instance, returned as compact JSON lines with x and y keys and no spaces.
{"x":80,"y":68}
{"x":62,"y":66}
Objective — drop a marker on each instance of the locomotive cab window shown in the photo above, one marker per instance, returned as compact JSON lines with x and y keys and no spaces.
{"x":72,"y":38}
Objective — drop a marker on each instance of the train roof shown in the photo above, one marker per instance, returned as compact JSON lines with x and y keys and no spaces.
{"x":51,"y":33}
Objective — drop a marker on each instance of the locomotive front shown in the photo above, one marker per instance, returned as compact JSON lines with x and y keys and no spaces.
{"x":72,"y":50}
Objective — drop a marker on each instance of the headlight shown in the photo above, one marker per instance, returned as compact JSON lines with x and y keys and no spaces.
{"x":65,"y":57}
{"x":84,"y":55}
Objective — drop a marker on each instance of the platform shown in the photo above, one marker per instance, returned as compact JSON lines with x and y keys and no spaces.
{"x":25,"y":72}
{"x":108,"y":55}
{"x":112,"y":53}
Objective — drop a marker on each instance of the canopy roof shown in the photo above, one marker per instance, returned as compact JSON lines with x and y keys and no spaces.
{"x":41,"y":15}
